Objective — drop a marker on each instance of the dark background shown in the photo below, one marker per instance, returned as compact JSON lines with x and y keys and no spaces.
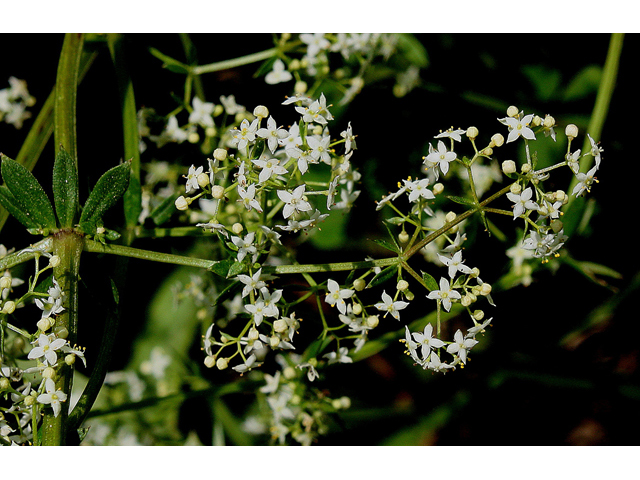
{"x":526,"y":387}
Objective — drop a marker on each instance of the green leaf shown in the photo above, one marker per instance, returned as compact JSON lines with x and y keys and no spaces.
{"x":383,"y":276}
{"x":411,"y":49}
{"x":430,"y":282}
{"x":584,"y":83}
{"x":8,"y":201}
{"x":170,"y":63}
{"x":461,"y":200}
{"x":109,"y":188}
{"x":28,"y":194}
{"x":65,"y":188}
{"x":165,"y":210}
{"x":389,"y":246}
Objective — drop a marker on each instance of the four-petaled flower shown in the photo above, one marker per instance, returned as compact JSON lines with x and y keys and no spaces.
{"x":294,"y":201}
{"x":455,"y":264}
{"x":518,"y":127}
{"x":461,"y":345}
{"x":47,"y":346}
{"x":389,"y":306}
{"x":445,"y":294}
{"x":522,"y":202}
{"x":426,"y":341}
{"x":336,"y":296}
{"x":53,"y":397}
{"x":272,"y":134}
{"x":441,"y":157}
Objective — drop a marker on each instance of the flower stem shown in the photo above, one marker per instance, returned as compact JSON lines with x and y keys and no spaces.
{"x":235,"y":62}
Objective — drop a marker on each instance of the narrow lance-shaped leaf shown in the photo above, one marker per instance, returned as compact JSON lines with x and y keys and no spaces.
{"x":8,"y":201}
{"x":28,"y":194}
{"x":65,"y":188}
{"x":108,"y":190}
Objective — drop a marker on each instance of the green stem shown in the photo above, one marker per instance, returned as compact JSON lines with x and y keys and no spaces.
{"x":234,"y":62}
{"x":603,"y":98}
{"x":68,"y":246}
{"x":64,"y":118}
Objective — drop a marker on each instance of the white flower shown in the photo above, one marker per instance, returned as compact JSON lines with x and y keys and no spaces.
{"x":441,"y":157}
{"x":53,"y":397}
{"x":338,"y":357}
{"x":412,"y":346}
{"x":304,"y":158}
{"x":49,"y":307}
{"x":479,"y":328}
{"x":245,"y":134}
{"x":230,"y":105}
{"x":247,"y":197}
{"x":389,"y":306}
{"x":435,"y":364}
{"x":245,"y":246}
{"x":173,"y":131}
{"x":461,"y":346}
{"x":336,"y":296}
{"x":315,"y":43}
{"x":294,"y":201}
{"x":418,"y":189}
{"x":445,"y":294}
{"x":349,"y":139}
{"x":251,"y":283}
{"x":585,"y":181}
{"x":596,"y":150}
{"x":426,"y":341}
{"x":316,"y":112}
{"x":279,"y":73}
{"x":312,"y":374}
{"x":272,"y":134}
{"x":202,"y":113}
{"x":518,"y":127}
{"x":320,"y":148}
{"x":454,"y":134}
{"x":455,"y":264}
{"x":192,"y":179}
{"x":522,"y":202}
{"x":269,"y":167}
{"x":47,"y":346}
{"x":246,"y":366}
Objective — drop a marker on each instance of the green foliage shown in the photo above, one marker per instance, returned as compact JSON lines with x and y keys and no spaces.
{"x":65,"y":188}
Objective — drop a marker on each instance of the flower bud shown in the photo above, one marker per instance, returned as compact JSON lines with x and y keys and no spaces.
{"x":497,"y":140}
{"x":289,"y":373}
{"x":203,"y":179}
{"x":450,"y":217}
{"x":557,"y":226}
{"x":43,"y":324}
{"x":536,"y":121}
{"x":373,"y":321}
{"x":49,"y":372}
{"x":222,"y":363}
{"x":210,"y":131}
{"x":217,"y":192}
{"x":5,"y":384}
{"x":345,"y":401}
{"x":357,"y":309}
{"x":571,"y":131}
{"x":359,"y":284}
{"x":253,"y":334}
{"x":280,"y":326}
{"x":54,"y":261}
{"x":300,"y":87}
{"x":193,"y":137}
{"x":274,"y":341}
{"x":508,"y":167}
{"x":485,"y":289}
{"x":61,"y":332}
{"x":512,"y":111}
{"x":70,"y":359}
{"x":549,"y":121}
{"x":403,"y":237}
{"x":515,"y":188}
{"x":237,"y":228}
{"x":209,"y":361}
{"x":438,"y":188}
{"x":466,"y":300}
{"x":261,"y":111}
{"x":402,"y":285}
{"x":5,"y":282}
{"x":526,"y":168}
{"x":29,"y":400}
{"x":487,"y":152}
{"x":472,"y":132}
{"x":220,"y":154}
{"x":182,"y":203}
{"x":478,"y":315}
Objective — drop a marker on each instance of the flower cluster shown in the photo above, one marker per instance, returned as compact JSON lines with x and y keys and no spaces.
{"x":14,"y":102}
{"x":30,"y":389}
{"x":312,"y":57}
